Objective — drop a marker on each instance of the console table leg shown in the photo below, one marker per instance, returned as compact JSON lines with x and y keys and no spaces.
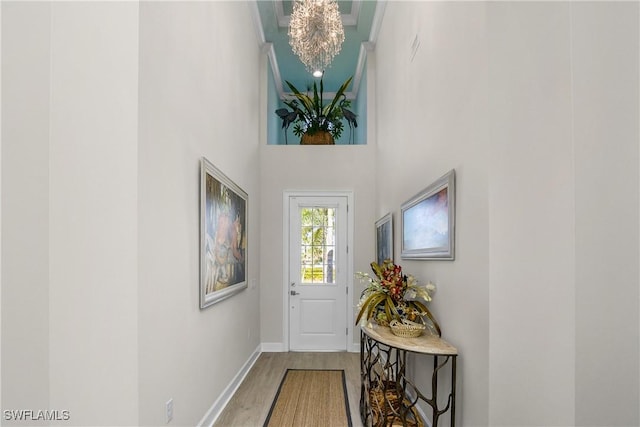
{"x":453,"y":391}
{"x":434,"y":391}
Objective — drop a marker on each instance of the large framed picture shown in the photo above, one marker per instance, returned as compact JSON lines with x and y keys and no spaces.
{"x":223,"y":236}
{"x":428,"y":221}
{"x":384,"y":238}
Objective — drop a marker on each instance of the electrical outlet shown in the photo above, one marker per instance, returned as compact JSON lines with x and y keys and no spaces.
{"x":169,"y":408}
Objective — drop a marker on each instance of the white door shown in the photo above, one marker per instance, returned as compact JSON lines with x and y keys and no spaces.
{"x":318,"y":273}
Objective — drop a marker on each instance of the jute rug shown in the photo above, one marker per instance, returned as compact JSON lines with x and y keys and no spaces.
{"x":310,"y":398}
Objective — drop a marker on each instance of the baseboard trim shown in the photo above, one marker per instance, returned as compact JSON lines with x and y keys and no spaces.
{"x":216,"y":409}
{"x":278,"y":347}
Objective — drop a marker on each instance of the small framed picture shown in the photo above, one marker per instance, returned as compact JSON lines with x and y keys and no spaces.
{"x":384,"y":238}
{"x":223,"y":236}
{"x":428,"y":221}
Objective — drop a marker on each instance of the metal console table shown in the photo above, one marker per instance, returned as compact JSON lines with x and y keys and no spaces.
{"x":387,"y":396}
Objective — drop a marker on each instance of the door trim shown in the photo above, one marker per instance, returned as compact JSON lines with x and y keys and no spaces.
{"x":287,"y":195}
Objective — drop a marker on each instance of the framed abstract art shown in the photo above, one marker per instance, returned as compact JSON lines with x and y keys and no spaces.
{"x":428,"y":221}
{"x":384,"y":238}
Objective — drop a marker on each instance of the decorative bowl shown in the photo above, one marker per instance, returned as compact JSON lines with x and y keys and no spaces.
{"x":406,"y":328}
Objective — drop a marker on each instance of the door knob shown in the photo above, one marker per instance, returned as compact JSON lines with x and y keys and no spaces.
{"x":295,"y":293}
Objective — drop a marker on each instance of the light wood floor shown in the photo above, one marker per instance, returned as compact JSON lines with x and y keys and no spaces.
{"x":250,"y":404}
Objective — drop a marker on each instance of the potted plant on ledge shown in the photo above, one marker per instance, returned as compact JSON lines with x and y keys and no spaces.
{"x":314,"y":122}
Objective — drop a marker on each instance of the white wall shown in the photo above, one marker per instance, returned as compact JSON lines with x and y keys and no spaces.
{"x":111,"y":105}
{"x":0,"y":214}
{"x":536,"y":107}
{"x":320,"y":168}
{"x":25,"y":205}
{"x":72,"y":124}
{"x":606,"y":45}
{"x":567,"y":79}
{"x":70,"y":179}
{"x":92,"y":219}
{"x":532,"y":314}
{"x":433,"y":118}
{"x":199,"y":92}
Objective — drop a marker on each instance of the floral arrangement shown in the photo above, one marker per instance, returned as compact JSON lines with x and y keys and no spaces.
{"x":391,"y":294}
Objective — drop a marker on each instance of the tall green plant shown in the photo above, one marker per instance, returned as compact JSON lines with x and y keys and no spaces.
{"x":309,"y":114}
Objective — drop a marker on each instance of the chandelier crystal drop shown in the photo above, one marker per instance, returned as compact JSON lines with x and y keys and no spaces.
{"x":315,"y":32}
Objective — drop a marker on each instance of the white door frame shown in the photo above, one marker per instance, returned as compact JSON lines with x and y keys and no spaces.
{"x":287,"y":195}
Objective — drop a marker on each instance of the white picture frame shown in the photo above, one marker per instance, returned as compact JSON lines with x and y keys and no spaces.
{"x":384,"y":238}
{"x":428,"y":221}
{"x":223,"y":236}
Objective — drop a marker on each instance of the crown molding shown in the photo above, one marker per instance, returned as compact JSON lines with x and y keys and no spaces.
{"x":377,"y":21}
{"x":257,"y":22}
{"x":275,"y":69}
{"x":362,"y":60}
{"x":283,"y":20}
{"x":350,"y":19}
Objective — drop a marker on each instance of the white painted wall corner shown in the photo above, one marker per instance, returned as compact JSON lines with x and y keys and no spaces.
{"x":216,"y":409}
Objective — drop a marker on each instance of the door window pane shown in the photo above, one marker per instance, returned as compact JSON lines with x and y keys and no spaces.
{"x":317,"y":245}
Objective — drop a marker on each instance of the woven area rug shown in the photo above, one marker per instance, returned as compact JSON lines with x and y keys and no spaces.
{"x":310,"y":398}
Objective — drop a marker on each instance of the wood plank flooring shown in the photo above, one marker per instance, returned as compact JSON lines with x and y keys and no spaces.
{"x":250,"y":404}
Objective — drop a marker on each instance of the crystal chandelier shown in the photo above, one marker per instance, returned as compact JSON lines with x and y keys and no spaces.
{"x":315,"y":32}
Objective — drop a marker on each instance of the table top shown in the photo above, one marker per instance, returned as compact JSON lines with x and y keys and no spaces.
{"x":426,"y":343}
